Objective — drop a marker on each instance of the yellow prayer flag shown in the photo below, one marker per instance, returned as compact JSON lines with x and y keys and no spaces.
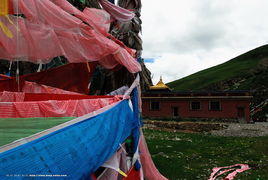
{"x":4,"y":6}
{"x":5,"y":29}
{"x":122,"y":173}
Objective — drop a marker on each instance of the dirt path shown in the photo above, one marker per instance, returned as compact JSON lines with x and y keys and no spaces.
{"x":217,"y":129}
{"x":248,"y":130}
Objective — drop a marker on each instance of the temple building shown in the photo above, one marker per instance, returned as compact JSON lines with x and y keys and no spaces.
{"x":160,"y":101}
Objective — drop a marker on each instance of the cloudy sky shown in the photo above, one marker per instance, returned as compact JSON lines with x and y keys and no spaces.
{"x":186,"y":36}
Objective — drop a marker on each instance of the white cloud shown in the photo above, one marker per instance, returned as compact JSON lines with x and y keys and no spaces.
{"x":190,"y":35}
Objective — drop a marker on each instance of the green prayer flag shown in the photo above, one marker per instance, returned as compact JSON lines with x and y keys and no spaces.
{"x":83,"y":1}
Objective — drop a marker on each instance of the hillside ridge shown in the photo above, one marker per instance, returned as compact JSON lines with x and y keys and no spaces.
{"x":248,"y":71}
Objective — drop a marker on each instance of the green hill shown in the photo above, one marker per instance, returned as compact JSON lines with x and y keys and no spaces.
{"x":239,"y":67}
{"x":248,"y":71}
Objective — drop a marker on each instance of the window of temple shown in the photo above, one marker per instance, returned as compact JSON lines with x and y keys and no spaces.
{"x":214,"y":106}
{"x":155,"y":105}
{"x":195,"y":105}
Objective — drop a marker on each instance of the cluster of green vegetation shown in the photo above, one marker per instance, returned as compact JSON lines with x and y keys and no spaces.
{"x":192,"y":156}
{"x":236,"y":67}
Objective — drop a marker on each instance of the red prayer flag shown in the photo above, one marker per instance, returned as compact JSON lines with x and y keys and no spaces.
{"x":133,"y":174}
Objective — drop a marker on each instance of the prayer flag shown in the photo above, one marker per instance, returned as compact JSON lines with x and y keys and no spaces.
{"x":6,"y":7}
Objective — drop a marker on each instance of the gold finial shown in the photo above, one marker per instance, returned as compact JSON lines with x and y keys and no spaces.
{"x":160,"y":85}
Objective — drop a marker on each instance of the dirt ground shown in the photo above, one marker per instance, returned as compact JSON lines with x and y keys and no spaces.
{"x":248,"y":130}
{"x":217,"y":129}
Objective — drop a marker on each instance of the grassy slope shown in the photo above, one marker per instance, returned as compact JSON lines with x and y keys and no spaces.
{"x":238,"y":66}
{"x":192,"y":156}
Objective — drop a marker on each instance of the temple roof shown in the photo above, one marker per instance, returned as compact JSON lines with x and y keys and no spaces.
{"x":160,"y":85}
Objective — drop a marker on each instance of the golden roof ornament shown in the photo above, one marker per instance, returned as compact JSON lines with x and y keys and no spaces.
{"x":160,"y":85}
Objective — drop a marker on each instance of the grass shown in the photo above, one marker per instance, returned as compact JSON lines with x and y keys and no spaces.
{"x":237,"y":67}
{"x":12,"y":129}
{"x":189,"y":156}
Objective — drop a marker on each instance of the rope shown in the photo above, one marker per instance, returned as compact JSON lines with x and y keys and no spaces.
{"x":18,"y":68}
